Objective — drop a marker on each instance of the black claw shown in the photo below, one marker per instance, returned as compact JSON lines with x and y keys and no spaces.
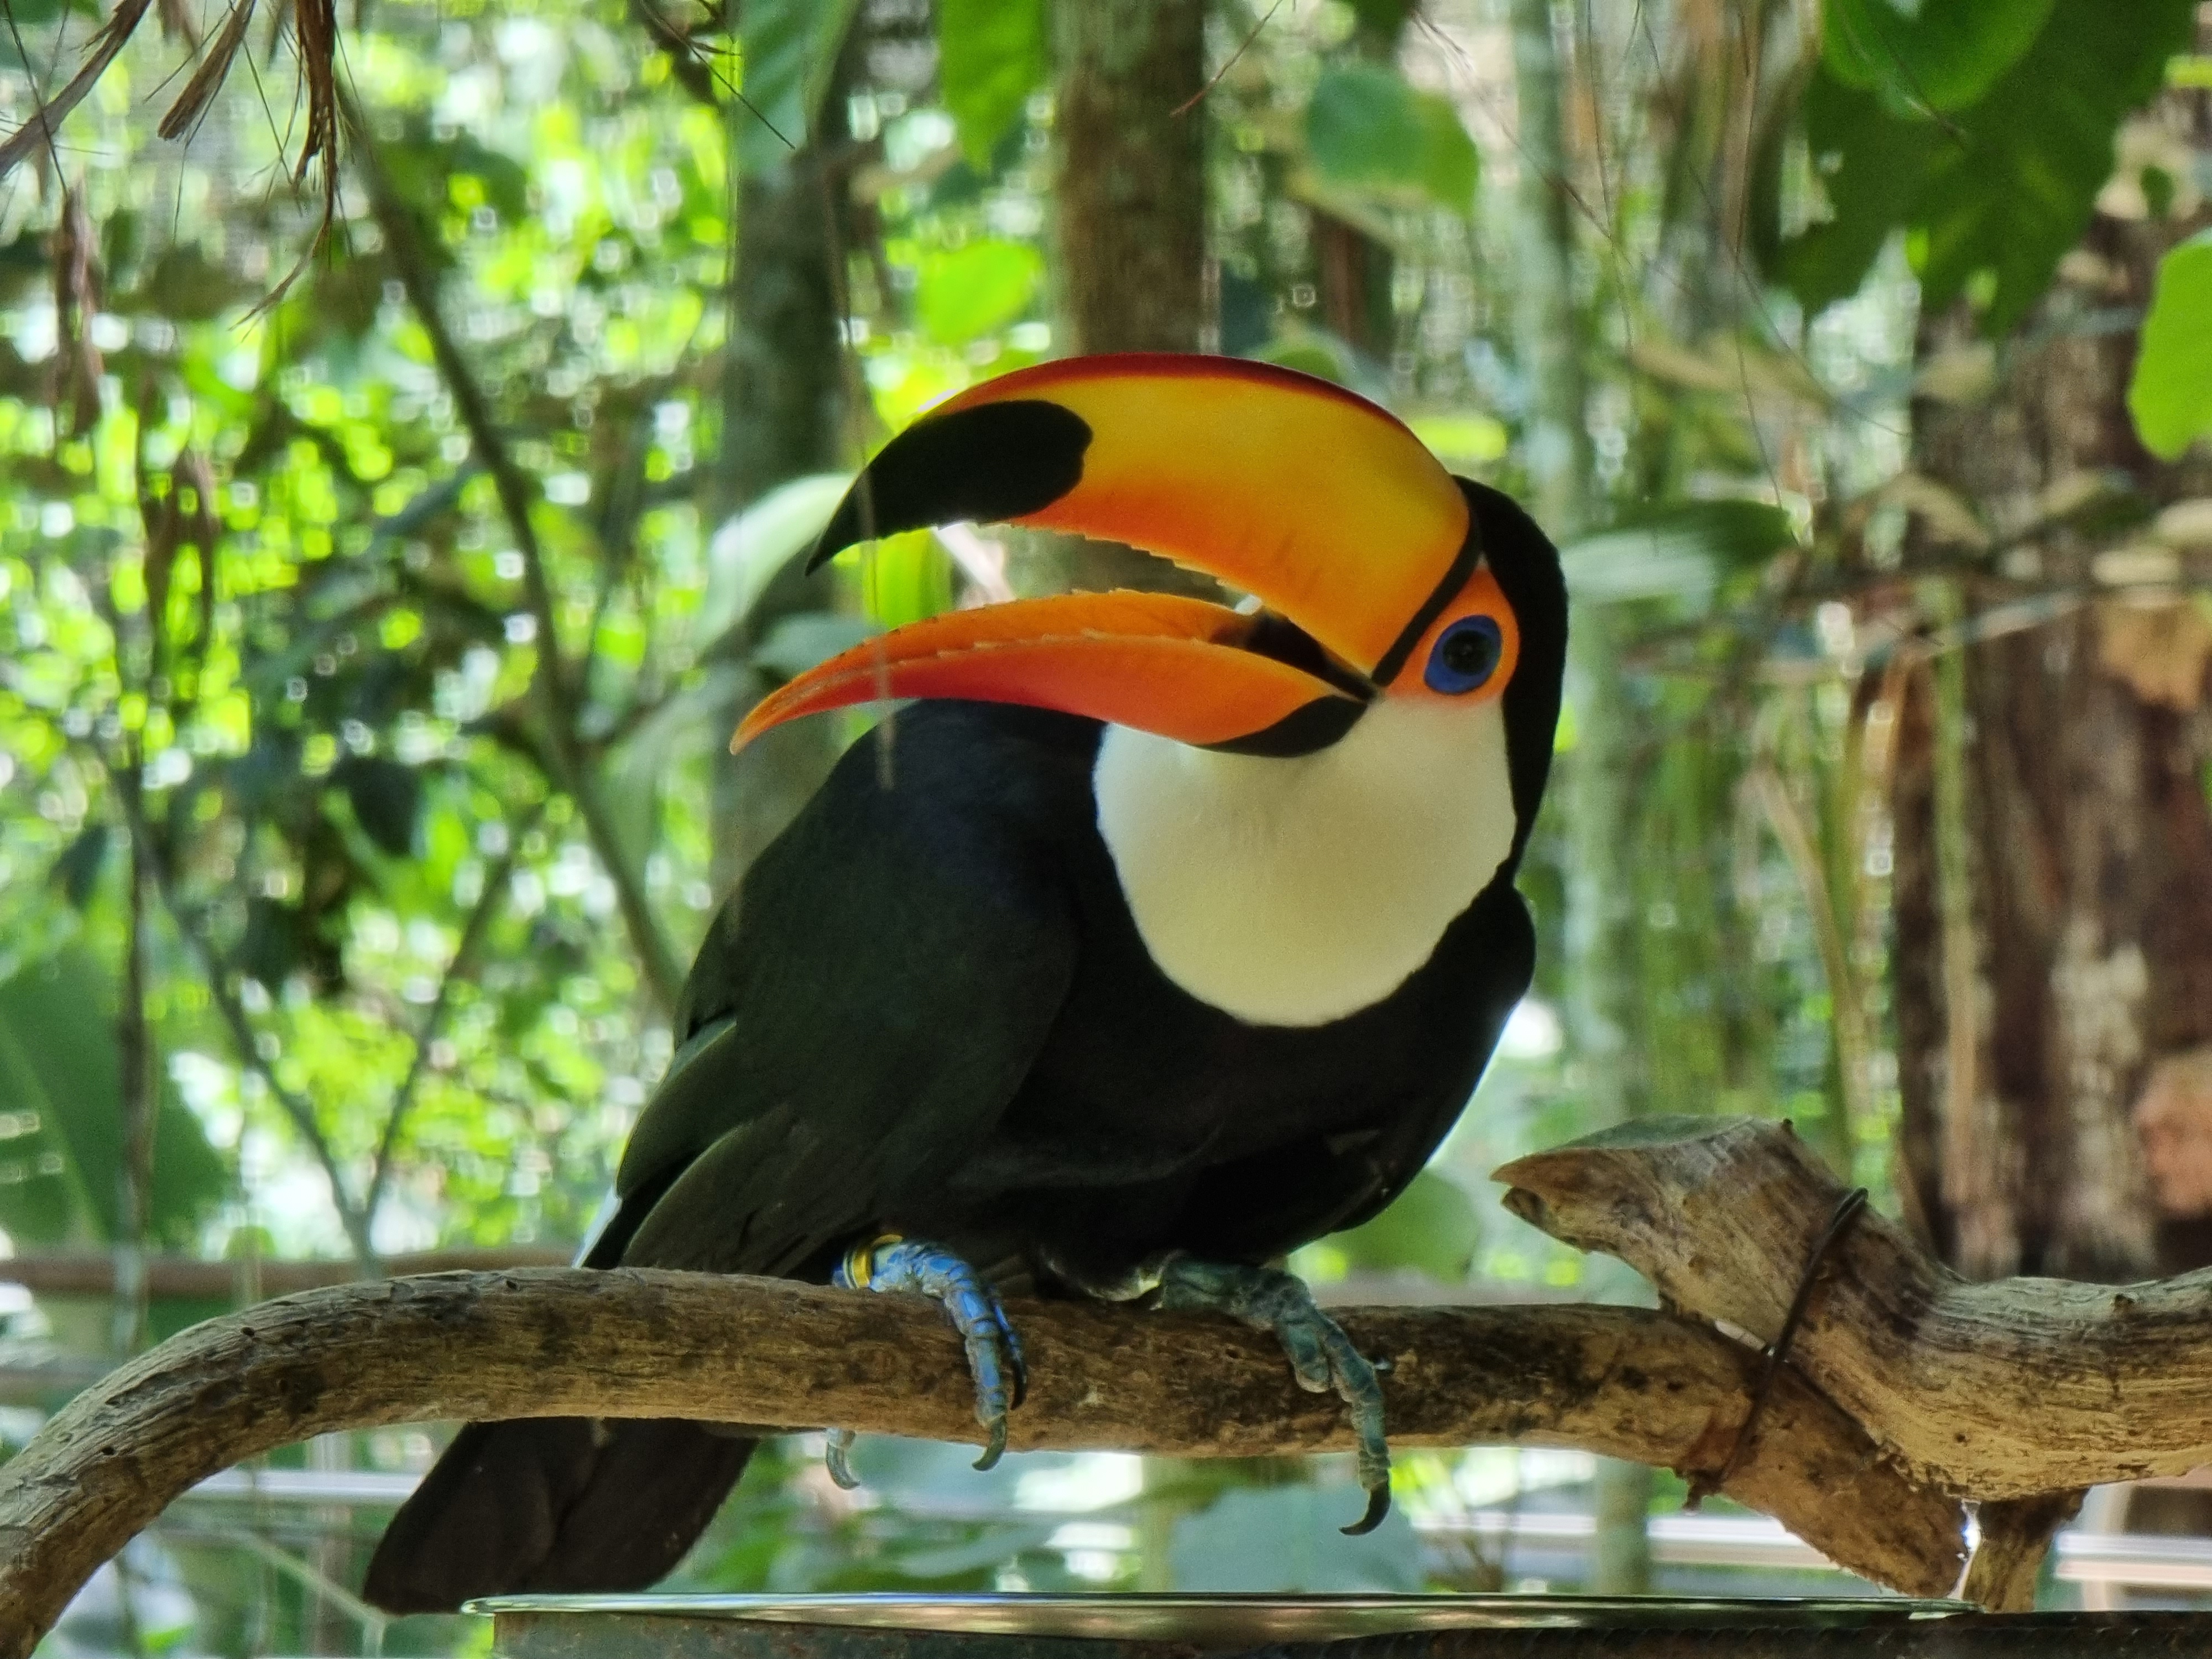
{"x":1378,"y":1505}
{"x":995,"y":1350}
{"x":1321,"y":1356}
{"x":995,"y":1448}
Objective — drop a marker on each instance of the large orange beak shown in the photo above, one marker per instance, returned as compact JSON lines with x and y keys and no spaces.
{"x":1179,"y":667}
{"x":1320,"y":505}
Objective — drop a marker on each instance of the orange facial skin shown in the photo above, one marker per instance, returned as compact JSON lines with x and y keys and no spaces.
{"x":1481,"y":597}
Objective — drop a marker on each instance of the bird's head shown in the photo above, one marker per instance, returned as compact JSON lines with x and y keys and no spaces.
{"x":1381,"y":577}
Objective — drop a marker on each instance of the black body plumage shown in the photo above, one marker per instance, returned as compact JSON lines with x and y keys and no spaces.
{"x":928,"y":1010}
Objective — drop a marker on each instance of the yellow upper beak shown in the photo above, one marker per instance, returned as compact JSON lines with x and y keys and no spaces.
{"x":1320,"y":504}
{"x":1293,"y":490}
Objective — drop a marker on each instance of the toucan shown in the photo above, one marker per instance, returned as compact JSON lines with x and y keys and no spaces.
{"x":1146,"y":940}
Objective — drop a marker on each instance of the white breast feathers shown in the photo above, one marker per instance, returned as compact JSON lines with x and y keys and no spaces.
{"x":1294,"y":892}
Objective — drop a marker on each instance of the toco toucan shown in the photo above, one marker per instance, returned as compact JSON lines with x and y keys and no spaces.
{"x":1160,"y":939}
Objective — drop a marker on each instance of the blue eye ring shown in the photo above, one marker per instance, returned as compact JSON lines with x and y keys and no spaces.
{"x":1465,"y":656}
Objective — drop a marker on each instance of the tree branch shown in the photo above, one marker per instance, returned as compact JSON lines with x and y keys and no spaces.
{"x":92,"y":1272}
{"x":1624,"y":1382}
{"x":2009,"y":1389}
{"x":458,"y":971}
{"x":218,"y":974}
{"x":571,"y":768}
{"x":2016,"y":1534}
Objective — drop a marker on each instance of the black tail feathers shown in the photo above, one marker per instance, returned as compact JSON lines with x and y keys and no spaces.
{"x":554,"y":1503}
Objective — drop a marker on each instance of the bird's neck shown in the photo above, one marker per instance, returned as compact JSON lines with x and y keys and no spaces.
{"x":1297,"y":892}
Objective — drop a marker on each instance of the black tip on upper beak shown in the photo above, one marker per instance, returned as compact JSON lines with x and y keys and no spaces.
{"x":985,"y":464}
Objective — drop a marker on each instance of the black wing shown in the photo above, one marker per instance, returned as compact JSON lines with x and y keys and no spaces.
{"x":857,"y":1021}
{"x":870,"y":1000}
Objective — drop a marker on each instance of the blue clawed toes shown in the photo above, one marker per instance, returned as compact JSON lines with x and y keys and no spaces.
{"x":994,"y":1351}
{"x":1322,"y":1357}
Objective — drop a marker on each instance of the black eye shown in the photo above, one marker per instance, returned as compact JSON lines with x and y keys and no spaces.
{"x":1465,"y":657}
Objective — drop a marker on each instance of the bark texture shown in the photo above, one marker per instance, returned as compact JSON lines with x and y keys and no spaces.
{"x":1129,"y":198}
{"x":1623,"y":1382}
{"x":2054,"y":921}
{"x":2009,"y":1389}
{"x":783,"y":416}
{"x":2016,"y":1534}
{"x":1131,"y":192}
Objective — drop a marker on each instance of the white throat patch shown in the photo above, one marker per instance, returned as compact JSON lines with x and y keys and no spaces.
{"x":1297,"y":892}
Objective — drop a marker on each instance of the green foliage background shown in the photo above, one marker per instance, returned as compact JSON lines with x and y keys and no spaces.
{"x":419,"y":764}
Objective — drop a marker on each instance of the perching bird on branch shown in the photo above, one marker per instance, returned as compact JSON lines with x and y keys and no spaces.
{"x":1159,"y":940}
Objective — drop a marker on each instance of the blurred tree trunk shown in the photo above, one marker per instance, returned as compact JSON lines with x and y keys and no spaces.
{"x":1601,"y":1002}
{"x":1131,"y":190}
{"x":2053,"y":884}
{"x":783,"y":417}
{"x":1353,"y":271}
{"x":139,"y":1068}
{"x":782,"y":391}
{"x":1129,"y":198}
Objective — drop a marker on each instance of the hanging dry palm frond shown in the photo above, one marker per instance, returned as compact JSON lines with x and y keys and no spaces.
{"x":73,"y":382}
{"x":176,"y":22}
{"x":209,"y":78}
{"x":315,"y":31}
{"x":315,"y":37}
{"x":314,"y":34}
{"x":37,"y":133}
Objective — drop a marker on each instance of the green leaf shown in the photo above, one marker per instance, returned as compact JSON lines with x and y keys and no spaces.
{"x":2018,"y":192}
{"x":750,"y":551}
{"x":1462,"y":440}
{"x":2171,"y":396}
{"x":807,"y":641}
{"x":61,"y":1095}
{"x":76,"y":871}
{"x":427,"y":170}
{"x":1870,"y":164}
{"x":1367,"y":131}
{"x":1997,"y":192}
{"x":975,"y":290}
{"x":1310,"y":352}
{"x":386,"y":798}
{"x":789,"y":48}
{"x":905,"y":578}
{"x":1928,"y":55}
{"x":991,"y":56}
{"x":1679,"y":552}
{"x":1431,"y":1227}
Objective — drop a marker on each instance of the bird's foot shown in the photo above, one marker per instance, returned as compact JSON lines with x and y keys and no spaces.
{"x":995,"y":1352}
{"x":1322,"y":1357}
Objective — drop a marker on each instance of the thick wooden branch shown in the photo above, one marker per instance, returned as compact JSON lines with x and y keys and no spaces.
{"x":2002,"y":1390}
{"x":92,"y":1272}
{"x":1623,"y":1382}
{"x":2016,"y":1534}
